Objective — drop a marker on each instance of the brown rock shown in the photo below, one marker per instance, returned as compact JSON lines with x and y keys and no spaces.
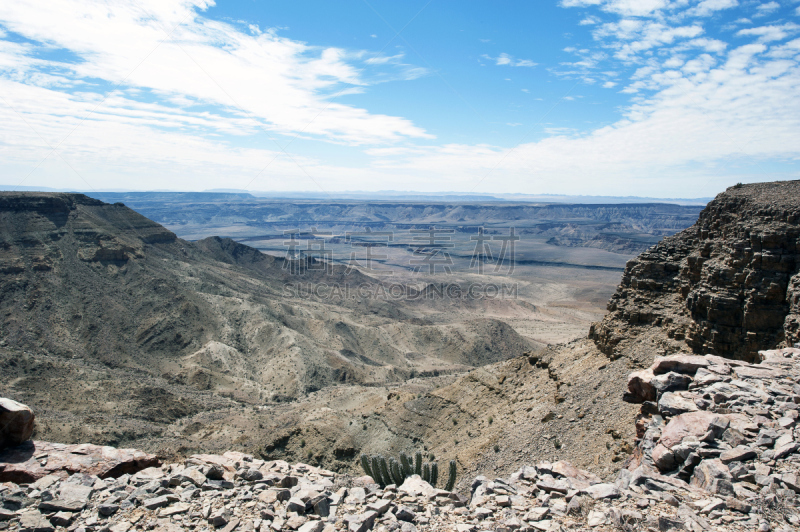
{"x":16,"y":423}
{"x":19,"y":466}
{"x":639,"y":385}
{"x":689,"y":424}
{"x":679,"y":364}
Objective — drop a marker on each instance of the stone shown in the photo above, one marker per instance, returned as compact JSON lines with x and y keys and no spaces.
{"x":361,"y":522}
{"x":320,"y":506}
{"x":639,"y":386}
{"x":175,"y":509}
{"x":552,"y":485}
{"x":295,"y":505}
{"x":565,"y":469}
{"x":356,"y":495}
{"x":22,"y":467}
{"x":680,"y":363}
{"x":671,"y":382}
{"x":596,"y":518}
{"x":738,"y":454}
{"x":312,"y":526}
{"x":414,"y":485}
{"x":16,"y":423}
{"x":697,"y":424}
{"x":785,"y":450}
{"x":34,"y":522}
{"x":602,"y":491}
{"x":107,"y":510}
{"x":219,"y":518}
{"x":75,"y":492}
{"x":156,"y":502}
{"x":537,"y":513}
{"x":232,"y":525}
{"x":708,"y":471}
{"x":191,"y":474}
{"x":673,"y":404}
{"x":665,"y":524}
{"x":380,"y":507}
{"x":736,"y":505}
{"x":62,"y":519}
{"x":404,"y":513}
{"x":122,"y":526}
{"x":58,"y":505}
{"x":758,"y":372}
{"x":252,"y":475}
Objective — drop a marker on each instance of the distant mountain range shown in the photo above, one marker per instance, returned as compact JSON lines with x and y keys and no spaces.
{"x":384,"y":195}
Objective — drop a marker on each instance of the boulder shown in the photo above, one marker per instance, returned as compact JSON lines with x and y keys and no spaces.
{"x":20,"y":466}
{"x":414,"y":485}
{"x":639,"y":386}
{"x":672,"y":404}
{"x":707,"y":474}
{"x":679,"y":363}
{"x":671,"y":382}
{"x":16,"y":423}
{"x":697,"y":424}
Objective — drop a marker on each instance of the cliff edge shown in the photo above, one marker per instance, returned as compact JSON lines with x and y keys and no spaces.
{"x":729,"y":285}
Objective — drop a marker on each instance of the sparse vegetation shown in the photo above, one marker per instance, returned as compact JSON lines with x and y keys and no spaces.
{"x":390,"y":471}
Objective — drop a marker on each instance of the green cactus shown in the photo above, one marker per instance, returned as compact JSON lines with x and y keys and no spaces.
{"x":376,"y":468}
{"x":365,"y":466}
{"x":385,"y":472}
{"x":405,"y":462}
{"x":426,"y":472}
{"x":387,"y":478}
{"x":397,"y":473}
{"x":451,"y":477}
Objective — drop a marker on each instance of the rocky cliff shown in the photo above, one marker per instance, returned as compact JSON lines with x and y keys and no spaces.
{"x":729,"y":285}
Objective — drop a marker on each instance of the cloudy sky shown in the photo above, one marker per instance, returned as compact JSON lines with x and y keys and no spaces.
{"x":663,"y":98}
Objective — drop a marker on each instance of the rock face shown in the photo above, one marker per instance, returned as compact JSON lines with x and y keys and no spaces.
{"x":729,"y":285}
{"x":16,"y":423}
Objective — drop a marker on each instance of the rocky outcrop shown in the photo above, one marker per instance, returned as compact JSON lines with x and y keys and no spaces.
{"x":34,"y":460}
{"x":236,"y":491}
{"x":16,"y":423}
{"x":726,"y":427}
{"x":729,"y":285}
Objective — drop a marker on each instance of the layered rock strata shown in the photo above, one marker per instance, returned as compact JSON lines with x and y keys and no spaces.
{"x":729,"y":285}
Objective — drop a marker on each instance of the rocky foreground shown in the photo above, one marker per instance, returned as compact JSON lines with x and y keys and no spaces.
{"x":717,"y":451}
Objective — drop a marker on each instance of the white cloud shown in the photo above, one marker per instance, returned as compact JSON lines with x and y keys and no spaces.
{"x":589,"y":21}
{"x":708,"y":109}
{"x":506,"y":60}
{"x":282,"y":84}
{"x":627,"y":8}
{"x":771,"y":33}
{"x":766,"y":9}
{"x":709,"y":7}
{"x":609,"y":85}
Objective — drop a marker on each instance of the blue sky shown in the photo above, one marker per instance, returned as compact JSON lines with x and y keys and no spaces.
{"x":660,"y":98}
